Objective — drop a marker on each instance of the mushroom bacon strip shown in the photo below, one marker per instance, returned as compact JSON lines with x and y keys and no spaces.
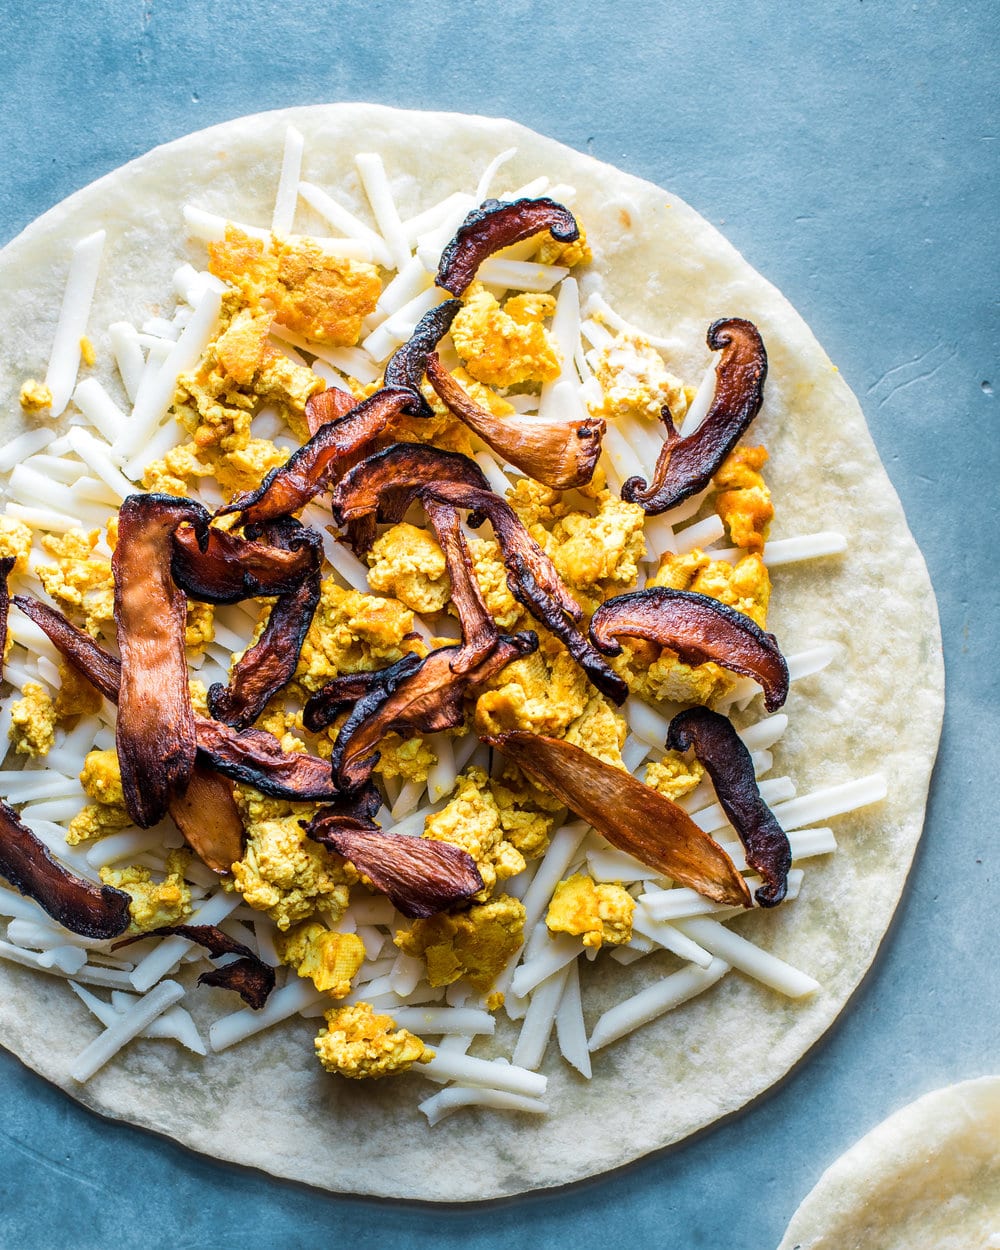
{"x":6,"y":564}
{"x":215,"y":566}
{"x":268,"y":665}
{"x":719,"y":747}
{"x":381,"y":486}
{"x":155,"y":733}
{"x":251,"y":755}
{"x":419,"y":875}
{"x":249,"y":976}
{"x":686,"y":465}
{"x":699,"y":629}
{"x":93,"y":911}
{"x":408,"y":365}
{"x":332,"y":449}
{"x":207,"y":816}
{"x":329,"y":405}
{"x":633,"y":817}
{"x":368,"y":688}
{"x":560,"y":454}
{"x":496,"y":224}
{"x":533,"y":580}
{"x":428,"y":698}
{"x":479,"y":629}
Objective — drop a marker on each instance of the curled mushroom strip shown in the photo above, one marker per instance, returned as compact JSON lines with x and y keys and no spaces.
{"x":419,"y":875}
{"x":329,"y":405}
{"x":408,"y":365}
{"x":479,"y":630}
{"x":155,"y":734}
{"x":719,"y":747}
{"x":699,"y":629}
{"x":207,"y":816}
{"x":332,"y":449}
{"x":249,"y":976}
{"x":367,"y":690}
{"x":496,"y":224}
{"x":93,"y":911}
{"x":633,"y":817}
{"x":686,"y":465}
{"x":534,"y":581}
{"x":560,"y":454}
{"x":216,"y":566}
{"x":251,"y":755}
{"x":268,"y":665}
{"x":6,"y":564}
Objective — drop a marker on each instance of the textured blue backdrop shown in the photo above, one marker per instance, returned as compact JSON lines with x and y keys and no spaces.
{"x":849,"y":149}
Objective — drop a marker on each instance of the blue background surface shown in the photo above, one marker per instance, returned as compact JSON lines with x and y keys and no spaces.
{"x":849,"y":150}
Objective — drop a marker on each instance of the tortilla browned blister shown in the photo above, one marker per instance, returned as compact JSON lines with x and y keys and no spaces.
{"x":927,"y":1178}
{"x":266,"y":1102}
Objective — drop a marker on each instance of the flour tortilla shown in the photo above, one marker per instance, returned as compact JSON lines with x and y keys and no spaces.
{"x":928,"y":1178}
{"x":266,"y":1102}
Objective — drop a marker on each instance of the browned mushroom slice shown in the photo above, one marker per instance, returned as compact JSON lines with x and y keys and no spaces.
{"x":699,"y":629}
{"x":408,"y":365}
{"x":249,"y":976}
{"x":268,"y":666}
{"x":93,"y":911}
{"x":251,"y":755}
{"x":155,"y":733}
{"x":496,"y":224}
{"x":215,"y":566}
{"x":686,"y":465}
{"x":419,"y":875}
{"x":331,"y":450}
{"x":381,"y":486}
{"x":329,"y":405}
{"x":533,"y":580}
{"x":719,"y":747}
{"x":428,"y":699}
{"x":560,"y":454}
{"x":323,"y":707}
{"x":479,"y":630}
{"x":633,"y":817}
{"x":207,"y":816}
{"x":6,"y":564}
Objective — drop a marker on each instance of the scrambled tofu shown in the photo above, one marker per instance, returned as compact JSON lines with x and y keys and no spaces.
{"x":181,"y":469}
{"x":509,"y":345}
{"x":744,"y":502}
{"x":598,"y":556}
{"x":553,"y":252}
{"x":81,"y":579}
{"x":33,"y":721}
{"x":491,"y":574}
{"x":597,"y":913}
{"x":35,"y":396}
{"x":75,"y":696}
{"x":15,"y":542}
{"x":636,"y":382}
{"x":475,"y":944}
{"x":289,"y":877}
{"x":359,"y":1044}
{"x":315,"y":293}
{"x":407,"y":562}
{"x":409,"y":760}
{"x":472,"y":821}
{"x":199,"y":629}
{"x":537,"y":504}
{"x":674,"y":776}
{"x":526,"y":810}
{"x":101,"y":779}
{"x":154,"y":903}
{"x":352,"y":633}
{"x":329,"y":959}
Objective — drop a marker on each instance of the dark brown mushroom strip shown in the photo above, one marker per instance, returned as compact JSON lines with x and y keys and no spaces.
{"x":93,"y":911}
{"x":560,"y":454}
{"x":686,"y":465}
{"x":533,"y":580}
{"x":479,"y":629}
{"x":215,"y":566}
{"x":207,"y":816}
{"x":381,"y":486}
{"x":329,"y":405}
{"x":155,"y":733}
{"x":494,"y":225}
{"x":420,"y":876}
{"x":719,"y":747}
{"x":331,"y":450}
{"x":633,"y":817}
{"x":408,"y":365}
{"x":251,"y":755}
{"x":249,"y":976}
{"x":323,"y":707}
{"x":269,"y":665}
{"x":428,"y":699}
{"x":6,"y":564}
{"x":700,"y":629}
